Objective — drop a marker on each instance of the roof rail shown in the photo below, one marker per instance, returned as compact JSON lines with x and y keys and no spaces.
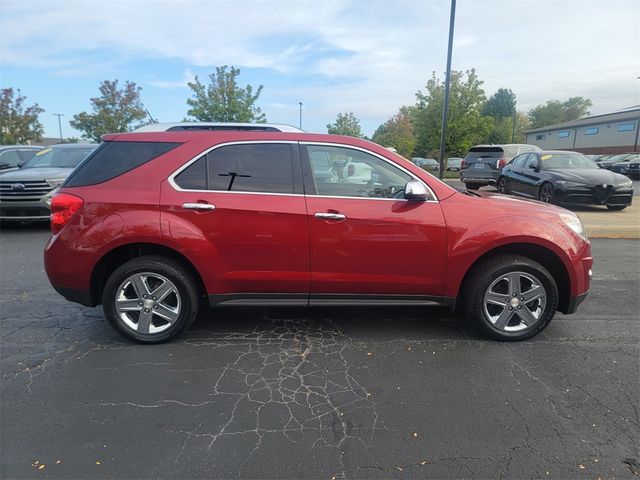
{"x":216,"y":126}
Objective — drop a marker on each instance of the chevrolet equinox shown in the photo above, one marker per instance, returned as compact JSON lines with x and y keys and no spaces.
{"x":155,"y":225}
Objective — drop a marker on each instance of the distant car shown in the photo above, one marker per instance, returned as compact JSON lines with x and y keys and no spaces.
{"x":25,"y":194}
{"x":217,"y":126}
{"x":13,"y":157}
{"x":483,"y":163}
{"x":426,"y":163}
{"x":615,"y":159}
{"x":567,"y":178}
{"x":601,"y":158}
{"x":454,"y":164}
{"x":624,"y":167}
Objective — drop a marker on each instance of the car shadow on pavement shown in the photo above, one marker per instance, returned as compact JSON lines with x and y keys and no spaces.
{"x":358,"y":323}
{"x":9,"y":226}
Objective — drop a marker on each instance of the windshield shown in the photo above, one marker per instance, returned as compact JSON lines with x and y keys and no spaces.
{"x":59,"y":157}
{"x":567,"y":161}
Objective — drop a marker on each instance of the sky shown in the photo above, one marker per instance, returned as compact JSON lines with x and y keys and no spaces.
{"x":366,"y":57}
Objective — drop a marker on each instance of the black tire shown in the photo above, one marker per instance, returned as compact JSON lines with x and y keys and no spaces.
{"x":187,"y":288}
{"x":483,"y":277}
{"x":502,"y":185}
{"x":471,"y":186}
{"x":616,"y":207}
{"x":546,"y":193}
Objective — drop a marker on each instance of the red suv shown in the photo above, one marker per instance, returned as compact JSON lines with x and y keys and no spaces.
{"x":154,"y":225}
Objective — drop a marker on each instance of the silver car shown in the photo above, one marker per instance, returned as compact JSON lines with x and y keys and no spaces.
{"x":25,"y":194}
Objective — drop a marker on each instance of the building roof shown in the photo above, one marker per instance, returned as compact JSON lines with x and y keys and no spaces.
{"x":594,"y":120}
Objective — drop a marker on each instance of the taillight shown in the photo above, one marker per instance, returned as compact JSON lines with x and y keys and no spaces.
{"x":351,"y":171}
{"x":462,"y":165}
{"x":63,"y":207}
{"x":501,"y":163}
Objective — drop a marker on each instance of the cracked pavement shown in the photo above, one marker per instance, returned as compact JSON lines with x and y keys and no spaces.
{"x":322,"y":393}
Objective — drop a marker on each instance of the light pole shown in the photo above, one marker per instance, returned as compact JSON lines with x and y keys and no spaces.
{"x":60,"y":124}
{"x":300,"y":115}
{"x":445,"y":106}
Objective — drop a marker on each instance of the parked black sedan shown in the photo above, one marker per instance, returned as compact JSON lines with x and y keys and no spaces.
{"x":564,"y":178}
{"x":628,"y":167}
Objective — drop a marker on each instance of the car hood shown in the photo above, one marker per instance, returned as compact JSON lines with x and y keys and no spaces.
{"x":590,"y":177}
{"x":26,"y":174}
{"x":509,"y":202}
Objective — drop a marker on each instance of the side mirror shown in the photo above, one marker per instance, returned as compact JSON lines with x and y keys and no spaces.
{"x":535,"y":168}
{"x":416,"y":191}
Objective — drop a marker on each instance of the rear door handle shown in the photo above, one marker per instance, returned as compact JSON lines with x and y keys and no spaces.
{"x":330,"y":216}
{"x":198,"y":206}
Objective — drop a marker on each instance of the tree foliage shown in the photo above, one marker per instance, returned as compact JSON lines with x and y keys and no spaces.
{"x":466,"y":125}
{"x":223,"y":100}
{"x":346,"y":124}
{"x":18,"y":123}
{"x":397,"y":132}
{"x":500,"y":105}
{"x":114,"y":111}
{"x":555,"y":111}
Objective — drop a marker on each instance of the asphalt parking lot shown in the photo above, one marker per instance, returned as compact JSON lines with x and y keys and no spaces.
{"x":326,"y":393}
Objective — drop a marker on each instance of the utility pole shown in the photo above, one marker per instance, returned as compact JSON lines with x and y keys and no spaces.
{"x":445,"y":107}
{"x":300,"y":115}
{"x":60,"y":124}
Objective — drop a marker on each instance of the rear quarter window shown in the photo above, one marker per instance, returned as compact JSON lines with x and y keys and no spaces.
{"x":112,"y":159}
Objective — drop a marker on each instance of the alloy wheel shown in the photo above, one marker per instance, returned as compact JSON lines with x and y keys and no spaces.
{"x":515,"y":301}
{"x":546,"y":194}
{"x":148,"y":303}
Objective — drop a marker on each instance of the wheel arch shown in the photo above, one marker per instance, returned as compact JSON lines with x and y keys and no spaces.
{"x":111,"y":260}
{"x":543,"y":255}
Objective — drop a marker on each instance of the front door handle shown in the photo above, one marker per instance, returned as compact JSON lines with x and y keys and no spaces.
{"x":198,"y":206}
{"x":330,"y":216}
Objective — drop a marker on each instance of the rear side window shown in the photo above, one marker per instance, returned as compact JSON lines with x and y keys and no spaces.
{"x":112,"y":159}
{"x":263,"y":168}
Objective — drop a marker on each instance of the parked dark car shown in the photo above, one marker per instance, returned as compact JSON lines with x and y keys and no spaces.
{"x":155,"y":225}
{"x":25,"y":194}
{"x":426,"y":163}
{"x":454,"y":164}
{"x":624,"y":167}
{"x":612,"y":160}
{"x":13,"y":157}
{"x":601,"y":157}
{"x":483,"y":163}
{"x":564,"y":177}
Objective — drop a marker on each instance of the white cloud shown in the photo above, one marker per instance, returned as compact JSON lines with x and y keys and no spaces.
{"x":371,"y":56}
{"x":188,"y":76}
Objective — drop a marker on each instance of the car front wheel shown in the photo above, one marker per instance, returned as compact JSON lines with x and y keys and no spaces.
{"x":151,"y":299}
{"x":511,"y":298}
{"x":502,"y":185}
{"x":546,"y":195}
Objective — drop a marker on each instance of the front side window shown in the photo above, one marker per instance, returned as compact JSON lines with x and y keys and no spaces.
{"x":591,"y":131}
{"x":263,"y":168}
{"x":532,"y":161}
{"x":346,"y":172}
{"x":9,"y":158}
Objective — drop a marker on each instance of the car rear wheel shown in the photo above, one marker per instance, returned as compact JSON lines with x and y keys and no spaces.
{"x":150,"y":299}
{"x":510,"y":298}
{"x":616,"y":207}
{"x":546,"y":195}
{"x":502,"y":185}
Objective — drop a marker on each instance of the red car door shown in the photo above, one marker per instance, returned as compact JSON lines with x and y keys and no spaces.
{"x":239,"y":213}
{"x":366,"y":239}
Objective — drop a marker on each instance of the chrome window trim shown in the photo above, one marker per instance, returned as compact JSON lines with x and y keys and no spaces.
{"x":432,"y":196}
{"x":176,"y":187}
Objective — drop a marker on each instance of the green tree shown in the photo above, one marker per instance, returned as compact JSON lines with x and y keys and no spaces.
{"x":114,"y":111}
{"x":18,"y":123}
{"x":346,"y":124}
{"x":397,"y":132}
{"x":223,"y":100}
{"x":500,"y":105}
{"x":466,"y":125}
{"x":555,"y":111}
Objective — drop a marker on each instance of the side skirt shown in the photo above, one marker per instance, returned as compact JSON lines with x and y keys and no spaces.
{"x":326,"y":299}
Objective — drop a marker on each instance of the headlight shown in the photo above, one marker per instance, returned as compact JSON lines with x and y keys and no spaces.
{"x":568,"y":183}
{"x":573,"y":222}
{"x":54,"y":182}
{"x":626,"y":184}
